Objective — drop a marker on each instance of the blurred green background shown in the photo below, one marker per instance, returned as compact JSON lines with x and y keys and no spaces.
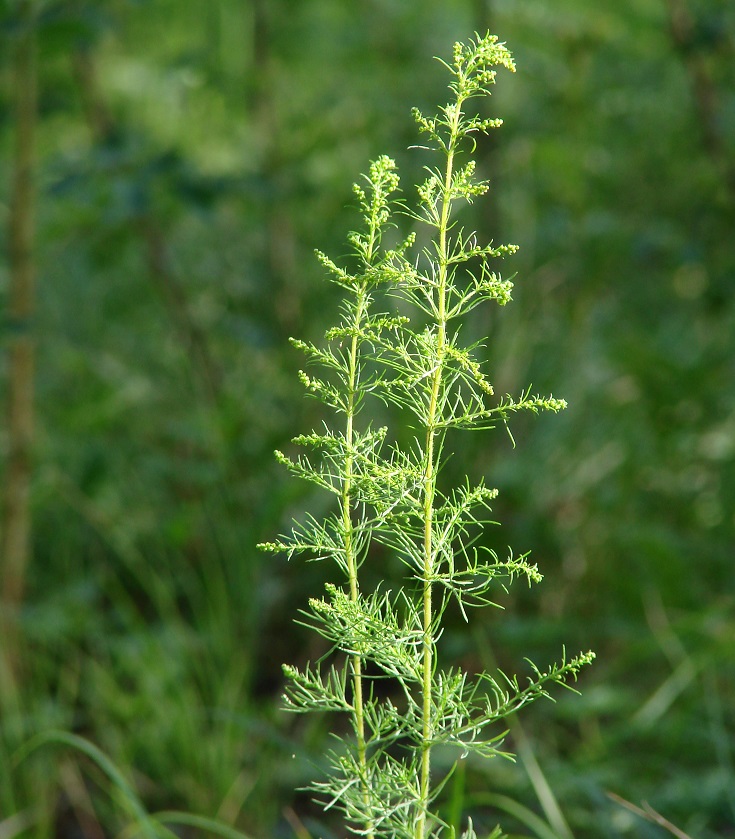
{"x":189,"y":158}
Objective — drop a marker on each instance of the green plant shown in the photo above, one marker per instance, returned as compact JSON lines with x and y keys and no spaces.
{"x":411,"y":358}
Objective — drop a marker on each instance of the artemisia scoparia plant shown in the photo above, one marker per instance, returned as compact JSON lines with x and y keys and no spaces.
{"x":409,"y":355}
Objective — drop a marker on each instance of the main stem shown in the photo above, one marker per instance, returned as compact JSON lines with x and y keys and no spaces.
{"x":352,"y":559}
{"x":352,"y":565}
{"x":430,"y":470}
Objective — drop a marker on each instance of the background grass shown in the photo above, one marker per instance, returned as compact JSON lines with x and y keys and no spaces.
{"x":190,"y":158}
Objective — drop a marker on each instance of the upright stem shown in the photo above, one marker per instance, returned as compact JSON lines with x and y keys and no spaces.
{"x":15,"y":535}
{"x":347,"y":503}
{"x":430,"y":487}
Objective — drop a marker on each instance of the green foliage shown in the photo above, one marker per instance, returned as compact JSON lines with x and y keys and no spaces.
{"x":140,"y":822}
{"x":189,"y":156}
{"x":382,"y":777}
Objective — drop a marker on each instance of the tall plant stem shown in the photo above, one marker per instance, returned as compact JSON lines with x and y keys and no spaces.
{"x":430,"y":484}
{"x":15,"y":536}
{"x":347,"y":504}
{"x":352,"y":565}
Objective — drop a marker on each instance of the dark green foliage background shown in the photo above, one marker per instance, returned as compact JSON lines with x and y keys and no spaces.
{"x":191,"y":156}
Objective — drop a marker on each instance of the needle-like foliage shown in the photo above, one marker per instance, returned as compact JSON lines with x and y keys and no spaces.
{"x":381,"y":777}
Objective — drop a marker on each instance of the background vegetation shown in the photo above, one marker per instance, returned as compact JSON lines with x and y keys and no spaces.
{"x":188,"y":158}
